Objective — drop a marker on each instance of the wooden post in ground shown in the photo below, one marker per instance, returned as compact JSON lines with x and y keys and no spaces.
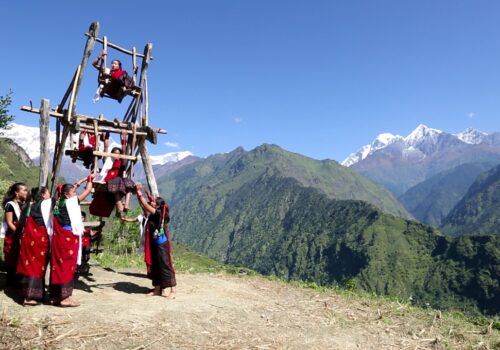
{"x":148,"y":168}
{"x":44,"y":142}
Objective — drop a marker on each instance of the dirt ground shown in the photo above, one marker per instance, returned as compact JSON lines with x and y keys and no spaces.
{"x":217,"y":312}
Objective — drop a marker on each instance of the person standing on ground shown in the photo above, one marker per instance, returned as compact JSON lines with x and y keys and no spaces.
{"x":66,"y":242}
{"x":35,"y":244}
{"x":157,"y":246}
{"x":12,"y":203}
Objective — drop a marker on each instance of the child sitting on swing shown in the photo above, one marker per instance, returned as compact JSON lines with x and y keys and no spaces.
{"x":119,"y":82}
{"x":112,"y":174}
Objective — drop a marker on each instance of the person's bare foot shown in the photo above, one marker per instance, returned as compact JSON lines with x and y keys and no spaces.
{"x":68,"y":302}
{"x":29,"y":302}
{"x":170,"y":296}
{"x":155,"y":291}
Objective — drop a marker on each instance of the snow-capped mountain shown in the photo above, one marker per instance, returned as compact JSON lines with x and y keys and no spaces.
{"x":403,"y":162}
{"x":420,"y":143}
{"x":380,"y":141}
{"x":28,"y":138}
{"x":472,"y":136}
{"x":169,"y":157}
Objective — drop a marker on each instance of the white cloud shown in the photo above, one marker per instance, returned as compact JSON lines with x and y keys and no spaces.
{"x":237,"y":120}
{"x":172,"y":144}
{"x":471,"y":115}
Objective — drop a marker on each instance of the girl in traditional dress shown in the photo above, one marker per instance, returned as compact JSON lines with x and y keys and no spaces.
{"x":35,"y":244}
{"x":66,"y":243}
{"x":13,"y":202}
{"x":157,"y":246}
{"x":112,"y":173}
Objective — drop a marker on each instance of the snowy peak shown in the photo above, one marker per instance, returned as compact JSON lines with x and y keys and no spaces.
{"x":28,"y":138}
{"x":381,"y":141}
{"x":169,"y":157}
{"x":420,"y":134}
{"x":472,"y":136}
{"x":418,"y":144}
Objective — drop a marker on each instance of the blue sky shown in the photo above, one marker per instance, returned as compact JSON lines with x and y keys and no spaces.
{"x":321,"y":78}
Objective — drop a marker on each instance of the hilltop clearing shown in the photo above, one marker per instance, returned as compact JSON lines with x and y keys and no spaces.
{"x":214,"y":311}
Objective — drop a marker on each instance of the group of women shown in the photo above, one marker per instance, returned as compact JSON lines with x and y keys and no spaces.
{"x":39,"y":230}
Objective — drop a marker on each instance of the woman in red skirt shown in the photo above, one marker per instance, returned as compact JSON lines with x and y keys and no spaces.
{"x":13,"y":203}
{"x":68,"y":229}
{"x":157,"y":246}
{"x":35,"y":244}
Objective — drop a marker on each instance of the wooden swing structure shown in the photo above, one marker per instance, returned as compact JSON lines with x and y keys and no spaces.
{"x":69,"y":122}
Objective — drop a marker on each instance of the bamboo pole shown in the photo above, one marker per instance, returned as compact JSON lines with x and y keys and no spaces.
{"x":44,"y":142}
{"x":61,"y":104}
{"x":114,"y":155}
{"x":89,"y":47}
{"x":146,"y":103}
{"x":148,"y":168}
{"x":113,"y":130}
{"x":58,"y":142}
{"x":58,"y":157}
{"x":72,"y":98}
{"x":134,"y":64}
{"x":105,"y":48}
{"x":97,"y":138}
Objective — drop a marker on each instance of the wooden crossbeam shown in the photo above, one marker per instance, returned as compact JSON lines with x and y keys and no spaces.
{"x":86,"y":119}
{"x":73,"y":152}
{"x":114,"y":155}
{"x":118,"y":48}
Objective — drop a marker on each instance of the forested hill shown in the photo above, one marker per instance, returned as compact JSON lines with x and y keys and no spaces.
{"x":15,"y":166}
{"x":278,"y":226}
{"x":479,"y":210}
{"x":223,"y":173}
{"x":431,"y":200}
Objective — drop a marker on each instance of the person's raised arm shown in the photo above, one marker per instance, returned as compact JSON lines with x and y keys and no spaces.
{"x":88,"y":188}
{"x":99,"y":65}
{"x":142,"y":201}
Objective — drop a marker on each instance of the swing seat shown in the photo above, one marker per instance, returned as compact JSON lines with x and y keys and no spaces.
{"x":115,"y":89}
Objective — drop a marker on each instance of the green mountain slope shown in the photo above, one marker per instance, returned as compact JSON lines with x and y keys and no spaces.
{"x":15,"y":166}
{"x":479,"y":210}
{"x":227,"y":208}
{"x":227,"y":172}
{"x":431,"y":200}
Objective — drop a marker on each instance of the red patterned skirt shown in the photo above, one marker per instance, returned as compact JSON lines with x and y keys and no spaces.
{"x":63,"y":262}
{"x":33,"y":259}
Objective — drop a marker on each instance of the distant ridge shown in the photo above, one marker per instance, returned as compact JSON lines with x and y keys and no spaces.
{"x":399,"y":163}
{"x":478,"y":212}
{"x":420,"y":136}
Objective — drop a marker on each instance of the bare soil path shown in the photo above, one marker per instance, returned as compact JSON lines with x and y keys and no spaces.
{"x":220,"y":312}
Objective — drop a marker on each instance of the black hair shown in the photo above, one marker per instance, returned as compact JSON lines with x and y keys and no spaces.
{"x":160,"y":202}
{"x":84,"y":214}
{"x":119,"y":63}
{"x":37,"y":193}
{"x":66,"y":188}
{"x":11,"y":192}
{"x":116,"y":148}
